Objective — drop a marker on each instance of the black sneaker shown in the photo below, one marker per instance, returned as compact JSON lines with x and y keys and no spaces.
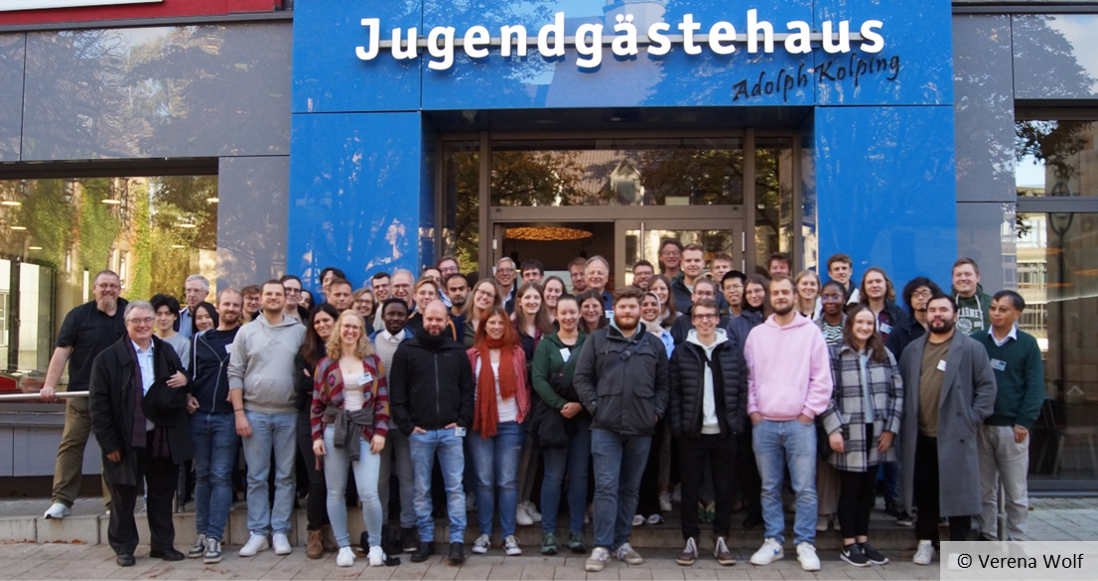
{"x":853,"y":554}
{"x":409,"y":540}
{"x":423,"y":552}
{"x":457,"y":554}
{"x":875,"y":557}
{"x":892,"y":508}
{"x":905,"y":520}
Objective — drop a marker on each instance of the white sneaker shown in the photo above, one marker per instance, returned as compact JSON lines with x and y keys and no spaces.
{"x":627,"y":554}
{"x":57,"y":510}
{"x":376,"y":557}
{"x":924,"y":554}
{"x":638,"y":520}
{"x":281,"y":544}
{"x":255,"y":544}
{"x":806,"y":554}
{"x":597,"y":561}
{"x":654,"y":519}
{"x":346,"y":557}
{"x":523,"y":518}
{"x":770,"y":551}
{"x":481,"y":545}
{"x":665,"y":501}
{"x":511,"y":546}
{"x":532,"y":511}
{"x":199,"y":547}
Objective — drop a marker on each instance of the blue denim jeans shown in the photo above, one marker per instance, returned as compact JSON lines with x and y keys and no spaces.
{"x":367,"y":468}
{"x":777,"y":445}
{"x":451,"y":458}
{"x":496,"y":463}
{"x":271,"y":434}
{"x":215,"y":448}
{"x":619,"y":464}
{"x":572,"y":460}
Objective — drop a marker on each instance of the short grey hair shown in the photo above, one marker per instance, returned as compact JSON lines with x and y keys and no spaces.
{"x":135,"y":305}
{"x":205,"y":281}
{"x":598,"y":258}
{"x":508,"y":259}
{"x":403,"y":271}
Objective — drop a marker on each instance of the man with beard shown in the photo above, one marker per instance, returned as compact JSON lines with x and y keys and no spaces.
{"x":87,"y":331}
{"x":949,"y":389}
{"x":642,"y":274}
{"x":213,"y":430}
{"x":789,"y":384}
{"x":396,"y":457}
{"x":575,"y":269}
{"x":622,"y":378}
{"x":457,"y":288}
{"x":916,"y":295}
{"x":431,"y":390}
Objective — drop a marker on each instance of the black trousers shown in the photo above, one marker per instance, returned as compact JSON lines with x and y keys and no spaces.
{"x":316,"y":510}
{"x":927,"y":496}
{"x":648,"y":502}
{"x":857,"y":495}
{"x":747,"y":473}
{"x":721,"y":452}
{"x":160,"y":476}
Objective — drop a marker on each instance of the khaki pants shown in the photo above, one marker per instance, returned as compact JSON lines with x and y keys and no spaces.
{"x":1003,"y":460}
{"x":70,"y":455}
{"x":828,"y":486}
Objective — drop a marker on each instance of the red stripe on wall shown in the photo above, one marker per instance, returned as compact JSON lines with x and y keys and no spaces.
{"x":165,"y":9}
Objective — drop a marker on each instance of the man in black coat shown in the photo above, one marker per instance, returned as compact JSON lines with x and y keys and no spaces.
{"x":706,"y":411}
{"x":139,"y":416}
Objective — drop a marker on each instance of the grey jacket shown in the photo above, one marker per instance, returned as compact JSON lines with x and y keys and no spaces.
{"x":262,"y":364}
{"x":623,"y":382}
{"x":967,"y":398}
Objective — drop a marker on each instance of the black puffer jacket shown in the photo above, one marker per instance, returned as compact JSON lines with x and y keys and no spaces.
{"x":623,"y":381}
{"x":688,"y":365}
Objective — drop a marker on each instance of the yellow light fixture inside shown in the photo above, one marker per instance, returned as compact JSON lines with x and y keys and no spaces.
{"x":546,"y":233}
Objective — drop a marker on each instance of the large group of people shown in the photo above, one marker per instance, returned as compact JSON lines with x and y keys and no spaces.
{"x":531,"y":394}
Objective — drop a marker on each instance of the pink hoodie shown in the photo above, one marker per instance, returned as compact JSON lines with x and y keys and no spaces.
{"x":789,"y":370}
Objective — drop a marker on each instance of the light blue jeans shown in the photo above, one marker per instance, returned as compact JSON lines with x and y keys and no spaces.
{"x":367,"y":468}
{"x":451,"y":458}
{"x":271,"y":434}
{"x":572,"y":460}
{"x":215,"y":448}
{"x":496,"y":464}
{"x":619,"y":463}
{"x":777,"y":445}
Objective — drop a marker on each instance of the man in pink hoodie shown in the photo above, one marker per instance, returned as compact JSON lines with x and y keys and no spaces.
{"x":789,"y":384}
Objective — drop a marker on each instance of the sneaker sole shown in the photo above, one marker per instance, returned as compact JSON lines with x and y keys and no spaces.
{"x":513,"y":553}
{"x":872,"y":562}
{"x":726,"y":562}
{"x":210,"y":560}
{"x":549,"y":551}
{"x":479,"y":551}
{"x":594,"y":568}
{"x":846,"y":560}
{"x":777,"y":557}
{"x":686,"y":562}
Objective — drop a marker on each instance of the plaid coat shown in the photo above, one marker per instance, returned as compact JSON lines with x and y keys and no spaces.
{"x":846,"y":412}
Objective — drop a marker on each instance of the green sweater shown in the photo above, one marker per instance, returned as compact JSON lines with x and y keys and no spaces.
{"x":1020,"y":377}
{"x":547,"y":361}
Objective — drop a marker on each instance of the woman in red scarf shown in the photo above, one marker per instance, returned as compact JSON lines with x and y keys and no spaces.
{"x":495,"y":442}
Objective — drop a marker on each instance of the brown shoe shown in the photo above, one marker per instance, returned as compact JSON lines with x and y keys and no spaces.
{"x":722,"y":552}
{"x":327,"y":539}
{"x":314,"y":548}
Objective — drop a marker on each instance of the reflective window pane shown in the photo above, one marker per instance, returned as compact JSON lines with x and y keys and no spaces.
{"x":1056,"y":157}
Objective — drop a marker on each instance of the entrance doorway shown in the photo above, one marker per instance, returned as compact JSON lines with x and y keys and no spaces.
{"x":555,"y":198}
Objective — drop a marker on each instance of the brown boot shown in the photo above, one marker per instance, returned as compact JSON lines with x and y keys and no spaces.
{"x":314,"y":548}
{"x":327,"y":540}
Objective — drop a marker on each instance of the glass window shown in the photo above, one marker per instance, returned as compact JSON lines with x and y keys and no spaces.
{"x":773,"y":200}
{"x":461,"y":201}
{"x":56,"y":234}
{"x":1056,"y":157}
{"x":618,"y":172}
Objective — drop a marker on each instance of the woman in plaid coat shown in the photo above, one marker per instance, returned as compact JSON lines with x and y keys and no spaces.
{"x":861,"y":421}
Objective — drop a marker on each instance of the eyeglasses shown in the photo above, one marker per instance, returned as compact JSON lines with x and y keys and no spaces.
{"x":484,"y":293}
{"x":108,"y":286}
{"x":143,"y":321}
{"x":923,"y":294}
{"x":505,"y":271}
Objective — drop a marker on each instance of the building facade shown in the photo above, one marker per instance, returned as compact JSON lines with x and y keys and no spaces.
{"x":248,"y":139}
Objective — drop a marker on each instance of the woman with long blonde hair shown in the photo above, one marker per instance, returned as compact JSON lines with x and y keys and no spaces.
{"x":350,"y":419}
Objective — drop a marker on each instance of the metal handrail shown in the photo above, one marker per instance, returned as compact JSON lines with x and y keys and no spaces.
{"x":35,"y":396}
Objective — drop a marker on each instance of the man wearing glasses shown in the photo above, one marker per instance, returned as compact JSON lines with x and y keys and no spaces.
{"x":86,"y":332}
{"x":292,"y":285}
{"x":671,"y":257}
{"x":195,"y":290}
{"x":704,"y":288}
{"x":505,"y":276}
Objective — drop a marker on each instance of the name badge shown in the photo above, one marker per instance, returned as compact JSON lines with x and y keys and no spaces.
{"x":609,"y":314}
{"x":942,"y":365}
{"x":565,"y":353}
{"x":459,"y":432}
{"x":366,"y":378}
{"x":885,"y":328}
{"x":229,"y":348}
{"x":998,"y":365}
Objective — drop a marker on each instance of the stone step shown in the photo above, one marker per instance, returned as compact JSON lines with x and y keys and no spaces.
{"x":92,"y":529}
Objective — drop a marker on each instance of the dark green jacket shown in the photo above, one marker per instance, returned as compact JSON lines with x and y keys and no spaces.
{"x":548,"y":361}
{"x":1020,"y":378}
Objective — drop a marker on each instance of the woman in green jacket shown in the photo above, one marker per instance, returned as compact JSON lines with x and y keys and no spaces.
{"x":552,"y":379}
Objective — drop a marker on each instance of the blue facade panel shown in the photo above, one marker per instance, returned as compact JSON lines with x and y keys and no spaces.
{"x":885,"y":189}
{"x":357,"y":194}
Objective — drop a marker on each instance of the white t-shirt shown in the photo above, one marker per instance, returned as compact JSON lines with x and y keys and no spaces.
{"x":506,"y":408}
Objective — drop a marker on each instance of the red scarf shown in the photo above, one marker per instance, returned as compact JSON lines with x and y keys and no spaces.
{"x":487,"y":413}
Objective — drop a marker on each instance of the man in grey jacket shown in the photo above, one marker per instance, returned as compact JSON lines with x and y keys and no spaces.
{"x":622,"y":379}
{"x":949,"y":391}
{"x":261,"y":388}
